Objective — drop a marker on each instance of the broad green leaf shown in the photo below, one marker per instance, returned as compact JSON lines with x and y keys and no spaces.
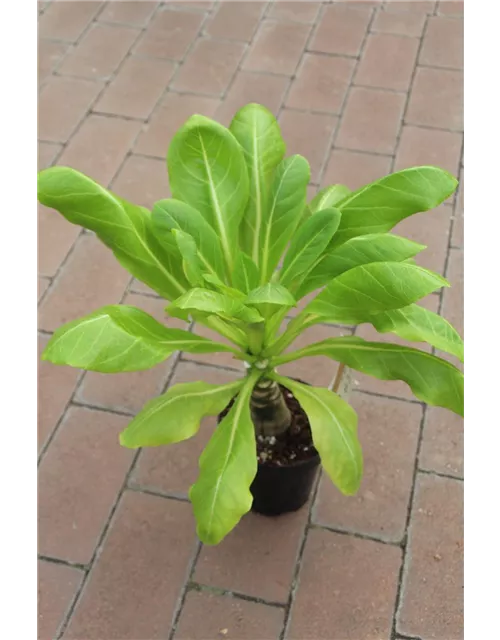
{"x":307,"y":245}
{"x":432,"y":380}
{"x":173,"y":214}
{"x":418,"y":324}
{"x":379,"y":206}
{"x":334,"y":432}
{"x":223,"y":288}
{"x":191,"y":262}
{"x":375,"y":247}
{"x":120,"y":338}
{"x":246,"y":274}
{"x":221,"y":494}
{"x":207,"y":170}
{"x":328,"y":197}
{"x":176,"y":415}
{"x":123,"y":227}
{"x":212,"y":302}
{"x":374,"y":287}
{"x":258,"y":133}
{"x":271,"y":293}
{"x":286,"y":204}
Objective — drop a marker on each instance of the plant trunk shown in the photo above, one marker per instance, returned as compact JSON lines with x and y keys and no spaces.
{"x":270,"y":414}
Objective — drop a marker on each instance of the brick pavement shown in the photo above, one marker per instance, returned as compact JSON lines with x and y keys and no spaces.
{"x":360,"y":88}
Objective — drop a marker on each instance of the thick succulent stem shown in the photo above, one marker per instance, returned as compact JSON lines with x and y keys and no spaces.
{"x":270,"y":414}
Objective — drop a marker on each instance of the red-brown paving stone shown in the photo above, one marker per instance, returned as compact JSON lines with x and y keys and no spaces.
{"x":135,"y":14}
{"x":426,"y":7}
{"x":277,"y":47}
{"x":432,"y":591}
{"x":67,"y":20}
{"x":347,"y":586}
{"x":305,"y":12}
{"x":235,"y":20}
{"x":131,"y":390}
{"x":142,"y":181}
{"x":453,"y":297}
{"x":341,"y":29}
{"x":321,"y":83}
{"x":451,"y":8}
{"x":266,"y":567}
{"x":136,"y":286}
{"x":388,"y":62}
{"x":308,"y":135}
{"x":57,"y":586}
{"x":50,"y":53}
{"x":443,"y":44}
{"x":169,"y":34}
{"x":380,"y":507}
{"x":206,"y":615}
{"x":442,"y":447}
{"x":78,"y":482}
{"x":173,"y":469}
{"x":43,"y":283}
{"x":354,"y":169}
{"x":168,"y":116}
{"x":47,"y":153}
{"x":405,"y":24}
{"x":100,"y":146}
{"x":437,"y":99}
{"x":56,"y":236}
{"x":92,"y":278}
{"x":371,"y":120}
{"x":55,"y":388}
{"x":419,"y":147}
{"x":135,"y":584}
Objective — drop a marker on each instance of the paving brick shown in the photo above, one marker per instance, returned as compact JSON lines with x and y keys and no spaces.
{"x":57,"y":586}
{"x":43,"y":283}
{"x":451,"y":8}
{"x":457,"y":238}
{"x":270,"y":544}
{"x":208,"y":615}
{"x":136,"y":286}
{"x":67,"y":20}
{"x":99,"y":52}
{"x":277,"y":47}
{"x":170,"y":34}
{"x":453,"y":297}
{"x":354,"y":169}
{"x":47,"y":153}
{"x":321,"y":83}
{"x":210,"y":66}
{"x":137,"y":88}
{"x":91,"y":278}
{"x":437,"y":99}
{"x":135,"y":14}
{"x":235,"y":20}
{"x":78,"y":481}
{"x":55,"y":388}
{"x":379,"y":508}
{"x":341,"y":29}
{"x":56,"y":236}
{"x":371,"y":120}
{"x":422,"y":146}
{"x":134,"y":586}
{"x":426,"y":7}
{"x":142,"y":181}
{"x":387,"y":62}
{"x":173,"y":469}
{"x":223,"y":359}
{"x":190,"y":5}
{"x":432,"y":593}
{"x":50,"y":53}
{"x":168,"y":116}
{"x":77,"y":95}
{"x":100,"y":146}
{"x":252,"y":87}
{"x":131,"y":390}
{"x":443,"y":443}
{"x":443,"y":44}
{"x":347,"y":585}
{"x":304,"y":12}
{"x":431,"y":228}
{"x":405,"y":24}
{"x":309,"y":135}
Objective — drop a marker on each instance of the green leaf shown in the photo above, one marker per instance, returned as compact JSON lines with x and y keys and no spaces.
{"x":375,"y":247}
{"x":212,"y":302}
{"x":173,"y":214}
{"x":123,"y":227}
{"x":307,"y":245}
{"x":418,"y":324}
{"x":334,"y":431}
{"x":379,"y":206}
{"x":328,"y":197}
{"x":374,"y":287}
{"x":120,"y":338}
{"x":176,"y":415}
{"x":271,"y":293}
{"x":191,"y":262}
{"x":223,"y":288}
{"x":258,"y":133}
{"x":207,"y":170}
{"x":432,"y":380}
{"x":286,"y":204}
{"x":221,"y":494}
{"x":245,"y":274}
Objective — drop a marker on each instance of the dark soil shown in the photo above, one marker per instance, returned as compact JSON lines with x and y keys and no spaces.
{"x":292,"y":446}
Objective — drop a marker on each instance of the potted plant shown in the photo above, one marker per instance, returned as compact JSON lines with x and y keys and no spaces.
{"x":235,"y":248}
